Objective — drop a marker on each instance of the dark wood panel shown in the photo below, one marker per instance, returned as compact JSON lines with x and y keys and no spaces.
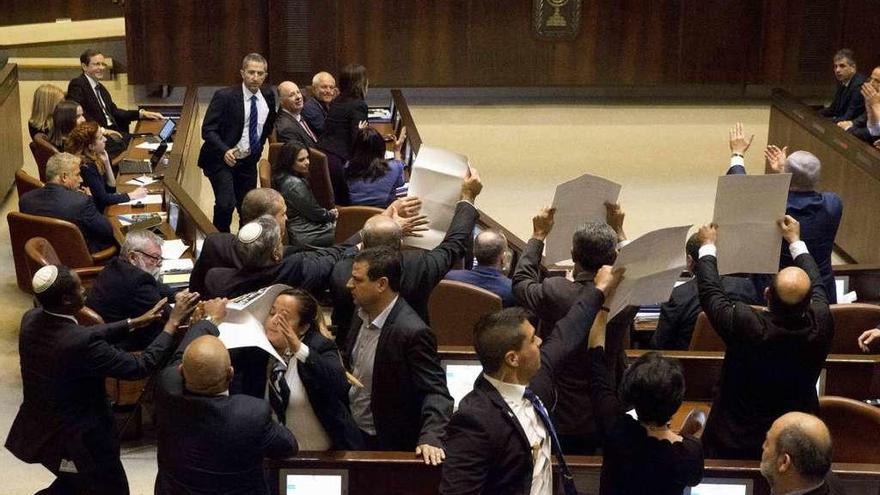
{"x":15,"y":12}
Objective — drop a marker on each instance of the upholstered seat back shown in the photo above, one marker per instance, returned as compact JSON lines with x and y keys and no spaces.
{"x":454,"y":308}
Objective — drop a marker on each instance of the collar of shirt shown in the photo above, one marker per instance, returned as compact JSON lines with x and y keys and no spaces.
{"x":510,"y":392}
{"x":379,"y":321}
{"x":92,"y":82}
{"x":69,"y":317}
{"x":296,"y":116}
{"x":806,"y":490}
{"x":247,"y":94}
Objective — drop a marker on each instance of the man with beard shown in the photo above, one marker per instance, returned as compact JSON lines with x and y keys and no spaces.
{"x":128,"y":285}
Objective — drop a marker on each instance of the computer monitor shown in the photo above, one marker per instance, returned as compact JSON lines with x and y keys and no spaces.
{"x":460,"y":377}
{"x":722,"y":486}
{"x":311,"y":481}
{"x":167,"y":130}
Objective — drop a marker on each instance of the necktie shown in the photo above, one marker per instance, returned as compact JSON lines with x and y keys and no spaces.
{"x":567,"y":479}
{"x":305,"y":126}
{"x":279,"y":392}
{"x":98,"y":87}
{"x":253,"y":138}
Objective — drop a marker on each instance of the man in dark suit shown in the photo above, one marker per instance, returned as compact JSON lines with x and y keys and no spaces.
{"x":490,"y":251}
{"x":316,"y":107}
{"x":65,"y":422}
{"x":128,"y":285}
{"x":404,"y":403}
{"x":210,"y":441}
{"x":290,"y":126}
{"x":848,"y":102}
{"x":61,"y":198}
{"x":422,"y":270}
{"x":678,"y":315}
{"x":550,"y":299}
{"x":238,"y":121}
{"x":858,"y":126}
{"x":819,"y":213}
{"x":796,"y":456}
{"x":773,"y":356}
{"x":97,"y":104}
{"x":497,"y":441}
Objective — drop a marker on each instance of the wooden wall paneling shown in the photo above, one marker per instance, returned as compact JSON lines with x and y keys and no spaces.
{"x":199,"y":42}
{"x":860,"y":21}
{"x":10,"y":127}
{"x":23,"y":12}
{"x":302,"y":39}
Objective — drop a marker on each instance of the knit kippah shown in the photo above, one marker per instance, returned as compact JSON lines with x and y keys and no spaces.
{"x":44,"y":278}
{"x":250,"y":232}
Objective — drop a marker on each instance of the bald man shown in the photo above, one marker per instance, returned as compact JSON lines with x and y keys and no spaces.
{"x":796,"y":456}
{"x":209,"y":441}
{"x":490,"y":251}
{"x":773,"y":357}
{"x":316,"y":107}
{"x":290,"y":126}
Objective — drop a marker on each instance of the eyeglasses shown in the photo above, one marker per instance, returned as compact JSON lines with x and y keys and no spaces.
{"x":156,"y":259}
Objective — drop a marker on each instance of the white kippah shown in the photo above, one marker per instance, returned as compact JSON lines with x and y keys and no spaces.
{"x":44,"y":278}
{"x":250,"y":232}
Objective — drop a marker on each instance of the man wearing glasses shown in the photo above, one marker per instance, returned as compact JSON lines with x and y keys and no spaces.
{"x":129,"y":285}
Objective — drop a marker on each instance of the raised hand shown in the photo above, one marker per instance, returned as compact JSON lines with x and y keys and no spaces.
{"x":607,"y":279}
{"x":776,"y":158}
{"x":791,"y":229}
{"x":542,"y":223}
{"x":614,"y":216}
{"x":708,"y":234}
{"x":738,"y":142}
{"x":471,"y":186}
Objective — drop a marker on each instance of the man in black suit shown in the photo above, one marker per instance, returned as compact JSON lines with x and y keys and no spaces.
{"x":210,"y":441}
{"x":550,"y":299}
{"x":773,"y":356}
{"x":238,"y":121}
{"x":848,"y":101}
{"x":128,"y":285}
{"x":422,"y":270}
{"x":290,"y":126}
{"x":65,"y":422}
{"x":796,"y":456}
{"x":497,"y":441}
{"x":404,"y":403}
{"x":678,"y":315}
{"x":858,"y":126}
{"x":97,"y":104}
{"x":61,"y":198}
{"x":316,"y":107}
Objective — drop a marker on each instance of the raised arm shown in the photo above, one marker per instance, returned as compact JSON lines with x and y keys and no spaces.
{"x":603,"y":394}
{"x":739,"y":144}
{"x":527,"y":280}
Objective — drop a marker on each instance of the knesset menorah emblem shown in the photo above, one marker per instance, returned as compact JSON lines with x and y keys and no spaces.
{"x":556,"y":19}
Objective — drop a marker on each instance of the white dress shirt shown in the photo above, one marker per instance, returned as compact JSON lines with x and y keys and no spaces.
{"x":362,"y":357}
{"x":536,"y":432}
{"x":300,"y":416}
{"x":244,"y":143}
{"x":103,"y":104}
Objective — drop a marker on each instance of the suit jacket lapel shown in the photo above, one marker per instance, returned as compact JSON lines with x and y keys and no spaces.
{"x":237,"y":114}
{"x":491,"y":392}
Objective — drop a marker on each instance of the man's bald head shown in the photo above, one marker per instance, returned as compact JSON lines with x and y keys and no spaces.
{"x":806,"y":442}
{"x":206,"y":366}
{"x":380,"y":230}
{"x":790,"y":291}
{"x":324,"y":87}
{"x":261,"y":201}
{"x":290,"y":97}
{"x":489,"y":246}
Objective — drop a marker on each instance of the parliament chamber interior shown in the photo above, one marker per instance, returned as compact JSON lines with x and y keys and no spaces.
{"x":572,"y":246}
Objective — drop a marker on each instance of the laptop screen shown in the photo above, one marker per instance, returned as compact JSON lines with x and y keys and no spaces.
{"x":167,"y":130}
{"x":311,"y":481}
{"x":460,"y":377}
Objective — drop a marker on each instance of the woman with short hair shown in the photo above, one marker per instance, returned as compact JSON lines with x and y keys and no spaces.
{"x":641,"y":455}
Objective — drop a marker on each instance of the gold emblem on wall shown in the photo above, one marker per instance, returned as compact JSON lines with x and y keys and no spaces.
{"x":556,"y":19}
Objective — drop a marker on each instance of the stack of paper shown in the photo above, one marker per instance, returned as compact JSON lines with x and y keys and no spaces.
{"x":172,"y":250}
{"x":143,"y":180}
{"x":149,"y":199}
{"x":436,"y":179}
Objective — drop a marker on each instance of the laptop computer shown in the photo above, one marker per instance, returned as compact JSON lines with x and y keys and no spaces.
{"x":164,"y":134}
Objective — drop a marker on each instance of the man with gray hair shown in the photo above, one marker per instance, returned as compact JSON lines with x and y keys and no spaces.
{"x":490,"y":251}
{"x":290,"y":126}
{"x":796,"y":455}
{"x":129,"y":285}
{"x":817,"y":212}
{"x":316,"y":108}
{"x":238,"y":121}
{"x":60,"y":198}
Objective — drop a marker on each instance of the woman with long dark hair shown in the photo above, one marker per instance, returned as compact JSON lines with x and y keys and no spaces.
{"x":372,"y":180}
{"x":67,"y":115}
{"x":348,"y":113}
{"x":307,"y":221}
{"x":87,"y":141}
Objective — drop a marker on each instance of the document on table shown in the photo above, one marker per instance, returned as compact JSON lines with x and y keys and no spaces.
{"x":153,"y":146}
{"x":436,"y":179}
{"x":174,"y":249}
{"x":149,"y":199}
{"x":143,"y":180}
{"x":177,"y":265}
{"x":577,"y":201}
{"x":747,"y":209}
{"x":653,"y":263}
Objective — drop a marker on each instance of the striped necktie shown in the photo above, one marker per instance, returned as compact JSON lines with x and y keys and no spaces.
{"x":253,"y":137}
{"x":567,"y":479}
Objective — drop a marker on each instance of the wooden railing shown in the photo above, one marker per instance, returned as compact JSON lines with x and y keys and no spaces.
{"x":10,"y":127}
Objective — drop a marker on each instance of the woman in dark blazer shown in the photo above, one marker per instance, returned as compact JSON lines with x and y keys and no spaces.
{"x":307,"y":221}
{"x":310,"y":396}
{"x":67,"y":115}
{"x":87,"y":141}
{"x":348,"y":112}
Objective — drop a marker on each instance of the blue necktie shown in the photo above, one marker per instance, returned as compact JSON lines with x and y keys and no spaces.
{"x":567,"y":479}
{"x":253,"y":137}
